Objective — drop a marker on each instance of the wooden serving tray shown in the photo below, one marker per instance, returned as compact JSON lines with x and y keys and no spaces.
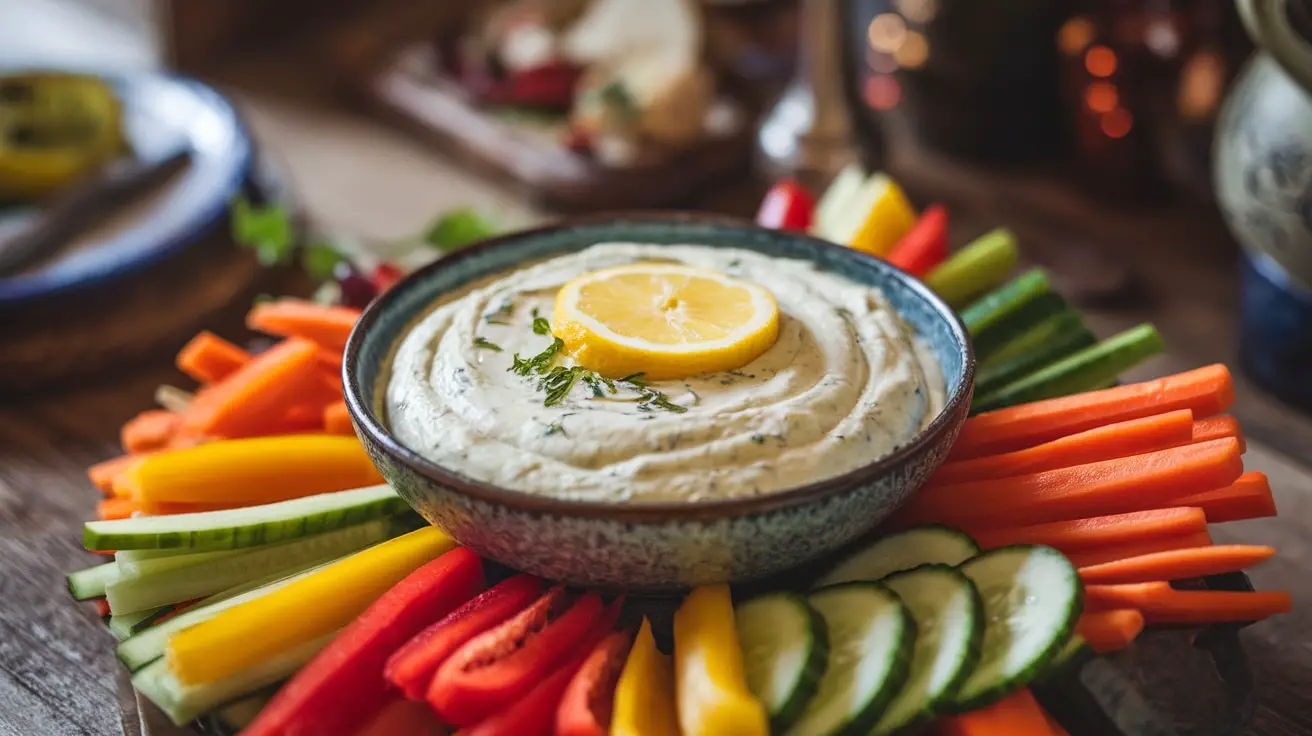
{"x":396,"y":77}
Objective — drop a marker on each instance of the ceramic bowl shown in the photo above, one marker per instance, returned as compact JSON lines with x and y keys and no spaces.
{"x":656,"y":546}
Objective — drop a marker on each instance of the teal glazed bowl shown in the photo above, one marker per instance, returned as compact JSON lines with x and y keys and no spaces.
{"x":652,"y":547}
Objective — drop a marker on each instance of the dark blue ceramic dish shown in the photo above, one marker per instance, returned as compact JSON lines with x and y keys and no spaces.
{"x":653,"y":547}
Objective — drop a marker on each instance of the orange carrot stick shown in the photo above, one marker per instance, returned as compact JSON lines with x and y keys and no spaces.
{"x":1121,"y":439}
{"x":1112,"y":553}
{"x":1218,"y":427}
{"x":150,"y":430}
{"x":327,"y":326}
{"x":1205,"y":391}
{"x":336,"y":420}
{"x":1015,"y":715}
{"x":1162,"y":604}
{"x":332,"y":360}
{"x":1109,"y":631}
{"x":209,"y":358}
{"x":1249,"y":497}
{"x":1118,"y":486}
{"x":1099,"y":531}
{"x":116,"y":508}
{"x":103,"y":473}
{"x":1177,"y":564}
{"x":256,"y":395}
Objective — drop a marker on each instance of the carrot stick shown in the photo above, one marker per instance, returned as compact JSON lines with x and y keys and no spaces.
{"x":1205,"y":391}
{"x":1109,"y":631}
{"x":327,"y":326}
{"x":150,"y":430}
{"x":244,"y":403}
{"x":1119,"y":486}
{"x":1121,"y":439}
{"x":1015,"y":715}
{"x":332,"y":360}
{"x":1178,"y":564}
{"x":252,"y":471}
{"x":1162,"y":604}
{"x":1112,"y":553}
{"x":103,"y":473}
{"x":1099,"y":531}
{"x":209,"y":358}
{"x":1249,"y":497}
{"x":1215,"y":428}
{"x":109,"y":509}
{"x":336,"y":420}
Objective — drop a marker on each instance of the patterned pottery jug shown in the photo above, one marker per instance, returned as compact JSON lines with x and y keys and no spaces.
{"x":1263,"y":180}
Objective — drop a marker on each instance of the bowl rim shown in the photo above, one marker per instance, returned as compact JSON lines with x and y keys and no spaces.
{"x":954,"y":409}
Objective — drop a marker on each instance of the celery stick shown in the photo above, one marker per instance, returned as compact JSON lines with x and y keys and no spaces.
{"x":976,"y":268}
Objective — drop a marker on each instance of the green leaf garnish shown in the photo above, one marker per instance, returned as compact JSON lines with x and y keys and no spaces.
{"x":502,"y":314}
{"x":483,"y":342}
{"x":267,"y":230}
{"x":541,"y":326}
{"x":457,"y":229}
{"x":539,"y":363}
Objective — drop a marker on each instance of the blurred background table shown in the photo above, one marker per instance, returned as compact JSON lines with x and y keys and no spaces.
{"x":356,"y":175}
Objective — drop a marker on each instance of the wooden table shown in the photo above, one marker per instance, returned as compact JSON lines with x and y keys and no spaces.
{"x":57,"y":672}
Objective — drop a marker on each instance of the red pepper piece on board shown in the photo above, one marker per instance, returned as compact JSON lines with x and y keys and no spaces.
{"x":926,"y":245}
{"x":343,"y":688}
{"x":412,"y":666}
{"x":787,"y":206}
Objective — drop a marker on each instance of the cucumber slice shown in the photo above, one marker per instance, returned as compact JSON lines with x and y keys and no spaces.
{"x":124,"y":626}
{"x":149,"y":645}
{"x":870,"y":643}
{"x":91,"y":582}
{"x":949,"y":617}
{"x":1084,"y":371}
{"x":246,"y":527}
{"x":184,"y":703}
{"x":1032,"y":599}
{"x":1005,"y":301}
{"x":213,"y":575}
{"x":1072,"y":656}
{"x":921,"y":545}
{"x":785,"y":649}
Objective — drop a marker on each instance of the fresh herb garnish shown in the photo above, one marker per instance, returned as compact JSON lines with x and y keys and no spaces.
{"x":558,"y":383}
{"x":653,"y":399}
{"x":541,"y":326}
{"x":502,"y":314}
{"x":636,"y":379}
{"x":483,"y":342}
{"x":539,"y":363}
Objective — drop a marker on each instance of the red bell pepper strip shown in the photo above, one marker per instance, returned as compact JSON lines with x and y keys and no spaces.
{"x":787,"y":206}
{"x":926,"y":245}
{"x":412,"y":666}
{"x":535,"y":713}
{"x":343,"y":688}
{"x":494,"y":669}
{"x":385,"y":276}
{"x":401,"y":716}
{"x":585,"y":708}
{"x":102,"y":607}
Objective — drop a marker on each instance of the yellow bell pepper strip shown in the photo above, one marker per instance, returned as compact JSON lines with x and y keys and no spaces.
{"x":976,"y":268}
{"x":711,"y":690}
{"x":306,"y":609}
{"x":889,"y":218}
{"x":252,"y":471}
{"x":644,"y":696}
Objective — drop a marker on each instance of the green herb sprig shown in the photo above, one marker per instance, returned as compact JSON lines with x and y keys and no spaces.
{"x":483,"y":342}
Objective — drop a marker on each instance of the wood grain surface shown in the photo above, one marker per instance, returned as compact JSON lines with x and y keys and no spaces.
{"x":57,"y":671}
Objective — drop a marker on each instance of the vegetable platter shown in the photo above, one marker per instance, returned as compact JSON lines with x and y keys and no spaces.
{"x":264,"y":581}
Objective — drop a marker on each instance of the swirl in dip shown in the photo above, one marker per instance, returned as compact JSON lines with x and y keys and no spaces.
{"x":845,"y":383}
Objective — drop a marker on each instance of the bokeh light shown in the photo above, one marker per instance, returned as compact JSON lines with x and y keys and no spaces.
{"x":917,"y":11}
{"x":1101,"y":97}
{"x":882,"y":92}
{"x":913,"y":52}
{"x":1100,"y":61}
{"x":887,"y":32}
{"x":1117,"y":123}
{"x":1075,"y":35}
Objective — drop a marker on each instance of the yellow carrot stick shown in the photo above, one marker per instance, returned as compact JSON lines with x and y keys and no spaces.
{"x":644,"y":695}
{"x":250,"y":471}
{"x":300,"y":612}
{"x":711,"y":689}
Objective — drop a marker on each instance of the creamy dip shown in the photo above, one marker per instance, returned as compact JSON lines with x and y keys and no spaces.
{"x":846,"y":383}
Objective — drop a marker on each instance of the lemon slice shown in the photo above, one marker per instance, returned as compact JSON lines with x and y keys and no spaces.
{"x":664,"y":320}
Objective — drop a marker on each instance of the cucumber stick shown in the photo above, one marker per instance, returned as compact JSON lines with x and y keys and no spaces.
{"x":91,"y":582}
{"x":980,"y":266}
{"x":785,"y":649}
{"x":131,"y":566}
{"x":921,"y":545}
{"x":1005,"y":301}
{"x":870,"y":646}
{"x":233,"y":717}
{"x":149,"y":645}
{"x":210,"y":576}
{"x":949,"y":617}
{"x":125,"y":626}
{"x":184,"y":703}
{"x":1032,"y":599}
{"x":1085,"y":370}
{"x":1052,"y":340}
{"x":1028,"y":316}
{"x":246,"y":527}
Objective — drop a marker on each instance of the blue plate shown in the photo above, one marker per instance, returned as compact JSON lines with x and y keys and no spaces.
{"x":161,"y":113}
